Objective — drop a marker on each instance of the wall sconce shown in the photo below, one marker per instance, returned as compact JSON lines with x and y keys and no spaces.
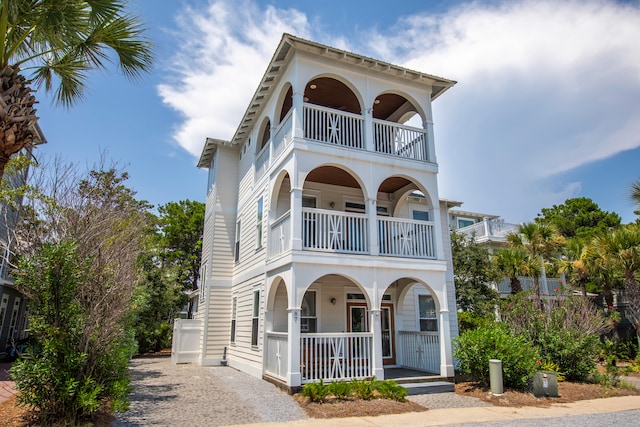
{"x":333,"y":300}
{"x":331,"y":204}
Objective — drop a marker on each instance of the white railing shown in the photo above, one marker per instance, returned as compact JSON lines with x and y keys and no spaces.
{"x":280,"y":235}
{"x":489,"y":228}
{"x":333,"y":231}
{"x":406,"y":237}
{"x":504,"y":287}
{"x":276,"y":357}
{"x":333,"y":126}
{"x":420,"y":350}
{"x":335,"y":357}
{"x":399,"y":140}
{"x":283,"y":135}
{"x":262,"y":161}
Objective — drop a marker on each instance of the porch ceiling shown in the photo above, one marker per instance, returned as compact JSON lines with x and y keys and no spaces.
{"x":336,"y":176}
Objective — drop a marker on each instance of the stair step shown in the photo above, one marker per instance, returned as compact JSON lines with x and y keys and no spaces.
{"x":429,"y":387}
{"x":424,"y":379}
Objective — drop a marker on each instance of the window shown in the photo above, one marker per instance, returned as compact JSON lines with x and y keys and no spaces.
{"x":234,"y":313}
{"x":255,"y":319}
{"x":203,"y":281}
{"x":259,"y":224}
{"x":3,"y":309}
{"x":237,"y":246}
{"x":14,"y":318}
{"x":427,"y":313}
{"x":212,"y":174}
{"x":308,"y":319}
{"x":421,"y":215}
{"x":465,"y":222}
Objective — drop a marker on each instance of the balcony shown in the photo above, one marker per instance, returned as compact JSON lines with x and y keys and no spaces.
{"x":489,"y":230}
{"x":349,"y":233}
{"x":346,"y":130}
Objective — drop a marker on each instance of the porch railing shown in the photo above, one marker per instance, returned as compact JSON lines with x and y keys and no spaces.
{"x":489,"y":228}
{"x":406,"y":238}
{"x":504,"y":287}
{"x":333,"y":231}
{"x":335,"y":357}
{"x":399,"y":140}
{"x":333,"y":126}
{"x":283,"y":135}
{"x":280,"y":235}
{"x":262,"y":161}
{"x":420,"y":350}
{"x":276,"y":354}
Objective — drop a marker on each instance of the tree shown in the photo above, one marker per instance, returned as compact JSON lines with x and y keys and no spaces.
{"x":541,"y":242}
{"x":578,"y":217}
{"x":79,"y":246}
{"x":181,"y":225}
{"x":634,"y":194}
{"x":575,"y":264}
{"x":513,"y":263}
{"x":55,"y":43}
{"x":473,"y":274}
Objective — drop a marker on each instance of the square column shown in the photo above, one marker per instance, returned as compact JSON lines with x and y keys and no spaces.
{"x":377,"y":368}
{"x":296,"y":219}
{"x":294,"y":378}
{"x":372,"y":211}
{"x":446,"y":356}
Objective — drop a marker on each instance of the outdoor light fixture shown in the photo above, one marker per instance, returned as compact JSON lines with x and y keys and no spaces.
{"x":333,"y":300}
{"x":331,"y":204}
{"x":312,"y":86}
{"x":377,"y":101}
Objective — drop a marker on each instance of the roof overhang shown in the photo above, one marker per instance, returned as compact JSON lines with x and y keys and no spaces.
{"x":210,"y":147}
{"x":283,"y":54}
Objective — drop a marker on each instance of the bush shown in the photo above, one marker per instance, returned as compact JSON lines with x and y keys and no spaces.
{"x":316,"y":392}
{"x":468,"y":320}
{"x":340,"y":389}
{"x":391,"y":390}
{"x":362,"y":389}
{"x":476,"y":347}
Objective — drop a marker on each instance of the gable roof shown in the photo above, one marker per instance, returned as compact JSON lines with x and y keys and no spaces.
{"x":283,"y":54}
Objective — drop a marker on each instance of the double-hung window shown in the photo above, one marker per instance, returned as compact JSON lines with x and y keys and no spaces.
{"x":259,"y":224}
{"x":237,"y":245}
{"x":234,"y":318}
{"x":427,"y":313}
{"x":308,"y":318}
{"x":255,"y":318}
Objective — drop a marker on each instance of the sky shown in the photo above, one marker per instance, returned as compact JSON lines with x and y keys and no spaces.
{"x":546,"y":108}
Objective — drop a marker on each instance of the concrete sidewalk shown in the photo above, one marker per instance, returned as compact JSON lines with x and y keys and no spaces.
{"x":472,"y":415}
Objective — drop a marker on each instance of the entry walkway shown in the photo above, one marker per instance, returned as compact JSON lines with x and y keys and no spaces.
{"x":7,"y":388}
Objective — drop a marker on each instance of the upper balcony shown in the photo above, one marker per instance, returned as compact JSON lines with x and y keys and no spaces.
{"x":489,"y":230}
{"x":332,"y":114}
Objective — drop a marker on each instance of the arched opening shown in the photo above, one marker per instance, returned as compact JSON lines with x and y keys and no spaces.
{"x":395,"y":108}
{"x":265,"y":134}
{"x":334,"y":212}
{"x":332,"y":93}
{"x":287,"y":104}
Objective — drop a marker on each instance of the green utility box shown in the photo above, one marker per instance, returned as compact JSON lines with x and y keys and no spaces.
{"x":544,"y":384}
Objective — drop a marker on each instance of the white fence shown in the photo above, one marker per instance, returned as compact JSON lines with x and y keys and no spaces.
{"x":406,"y":237}
{"x":420,"y":350}
{"x":335,"y":357}
{"x":280,"y":235}
{"x":552,"y":283}
{"x":185,"y":345}
{"x":334,"y":231}
{"x":333,"y":126}
{"x":276,"y":355}
{"x":398,"y":140}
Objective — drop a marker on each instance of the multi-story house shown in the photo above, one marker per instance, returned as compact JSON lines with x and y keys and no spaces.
{"x":13,"y":304}
{"x":326,"y":250}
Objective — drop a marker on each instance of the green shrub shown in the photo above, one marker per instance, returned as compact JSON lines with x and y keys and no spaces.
{"x":476,"y":347}
{"x":391,"y":390}
{"x":340,"y":389}
{"x":363,"y":389}
{"x":468,"y":320}
{"x":316,"y":392}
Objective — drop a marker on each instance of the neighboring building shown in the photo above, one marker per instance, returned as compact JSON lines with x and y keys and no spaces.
{"x":492,"y":231}
{"x":326,"y":251}
{"x":13,"y":305}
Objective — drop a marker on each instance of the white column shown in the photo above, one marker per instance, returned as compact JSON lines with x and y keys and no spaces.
{"x":439,"y":230}
{"x":446,"y":356}
{"x":296,"y":219}
{"x":369,"y":143}
{"x":298,"y":115}
{"x":372,"y":211}
{"x":377,"y":368}
{"x":294,"y":379}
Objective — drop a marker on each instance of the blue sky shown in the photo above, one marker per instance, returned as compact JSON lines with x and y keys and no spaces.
{"x":546,"y":106}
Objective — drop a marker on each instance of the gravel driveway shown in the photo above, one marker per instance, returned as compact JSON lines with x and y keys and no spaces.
{"x":191,"y":395}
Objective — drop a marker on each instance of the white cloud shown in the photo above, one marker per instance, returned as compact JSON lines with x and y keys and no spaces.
{"x":544,"y":87}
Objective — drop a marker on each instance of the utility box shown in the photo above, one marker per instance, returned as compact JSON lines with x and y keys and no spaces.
{"x":544,"y":384}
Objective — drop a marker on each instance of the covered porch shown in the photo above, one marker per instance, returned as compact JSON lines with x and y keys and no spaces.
{"x":338,"y":334}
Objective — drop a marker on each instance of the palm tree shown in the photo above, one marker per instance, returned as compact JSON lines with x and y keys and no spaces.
{"x":541,"y":242}
{"x":54,"y":43}
{"x":575,"y":264}
{"x":514,"y":263}
{"x":620,"y":250}
{"x":634,"y":194}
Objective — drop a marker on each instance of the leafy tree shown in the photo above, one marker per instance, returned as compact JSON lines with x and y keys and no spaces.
{"x":80,"y":244}
{"x":578,"y":217}
{"x":634,"y":194}
{"x":473,"y":274}
{"x":575,"y":264}
{"x":540,"y":242}
{"x":55,"y":43}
